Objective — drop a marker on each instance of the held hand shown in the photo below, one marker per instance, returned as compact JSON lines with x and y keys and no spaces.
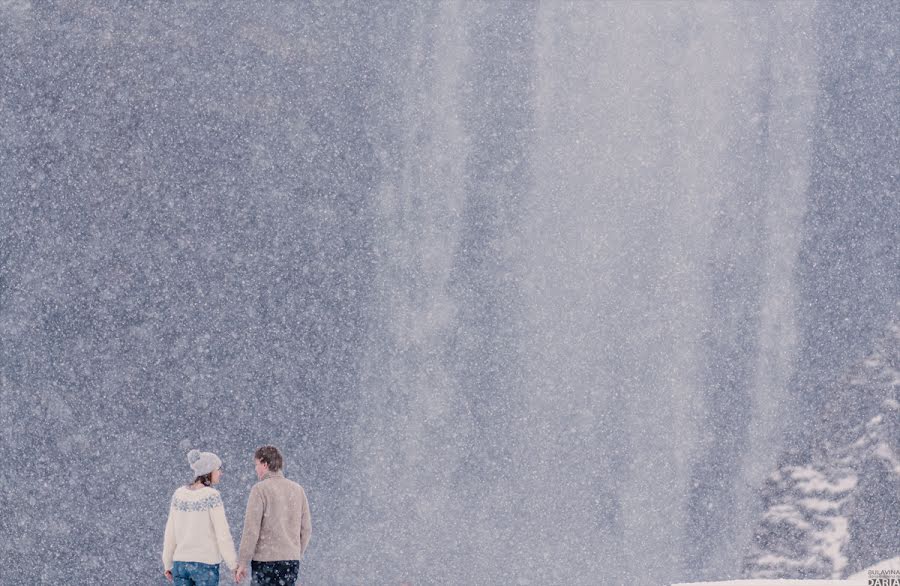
{"x":239,"y":574}
{"x":169,"y":575}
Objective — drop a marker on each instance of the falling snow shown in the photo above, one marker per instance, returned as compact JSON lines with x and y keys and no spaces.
{"x":527,"y":292}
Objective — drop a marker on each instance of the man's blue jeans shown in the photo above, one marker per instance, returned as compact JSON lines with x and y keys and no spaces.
{"x":283,"y":573}
{"x":195,"y":574}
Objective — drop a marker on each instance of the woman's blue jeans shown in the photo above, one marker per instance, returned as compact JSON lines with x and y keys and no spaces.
{"x":195,"y":574}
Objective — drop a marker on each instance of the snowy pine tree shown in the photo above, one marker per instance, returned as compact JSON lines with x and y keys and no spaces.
{"x":832,"y":515}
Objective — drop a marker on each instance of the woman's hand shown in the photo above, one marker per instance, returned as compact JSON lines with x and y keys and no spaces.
{"x":239,"y":573}
{"x":169,"y":575}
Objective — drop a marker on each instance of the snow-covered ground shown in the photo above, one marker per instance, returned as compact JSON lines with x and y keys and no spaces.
{"x":779,"y":583}
{"x":891,"y":564}
{"x":859,"y":578}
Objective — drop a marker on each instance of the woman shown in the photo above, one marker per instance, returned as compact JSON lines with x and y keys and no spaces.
{"x":197,"y":535}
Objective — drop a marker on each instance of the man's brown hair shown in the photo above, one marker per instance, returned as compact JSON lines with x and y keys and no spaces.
{"x":270,"y":456}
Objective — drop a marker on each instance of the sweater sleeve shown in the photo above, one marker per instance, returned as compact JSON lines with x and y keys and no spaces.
{"x":223,"y":535}
{"x":252,"y":521}
{"x":169,"y":541}
{"x":305,"y":525}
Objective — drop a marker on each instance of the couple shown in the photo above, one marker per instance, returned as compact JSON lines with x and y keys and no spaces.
{"x":277,"y":526}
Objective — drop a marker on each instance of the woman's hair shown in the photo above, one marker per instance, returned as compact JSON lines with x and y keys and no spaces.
{"x":206,"y":479}
{"x":270,"y":456}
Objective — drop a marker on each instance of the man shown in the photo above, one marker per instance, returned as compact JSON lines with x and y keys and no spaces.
{"x":277,"y":525}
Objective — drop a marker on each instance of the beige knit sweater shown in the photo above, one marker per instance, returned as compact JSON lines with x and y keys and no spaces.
{"x":277,"y":524}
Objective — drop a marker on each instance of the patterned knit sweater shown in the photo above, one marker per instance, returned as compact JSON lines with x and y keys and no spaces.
{"x":197,"y":530}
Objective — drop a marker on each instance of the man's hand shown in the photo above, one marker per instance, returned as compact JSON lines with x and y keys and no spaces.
{"x":239,"y":573}
{"x":169,"y":575}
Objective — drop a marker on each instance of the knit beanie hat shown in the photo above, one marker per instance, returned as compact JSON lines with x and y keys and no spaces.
{"x":203,"y":463}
